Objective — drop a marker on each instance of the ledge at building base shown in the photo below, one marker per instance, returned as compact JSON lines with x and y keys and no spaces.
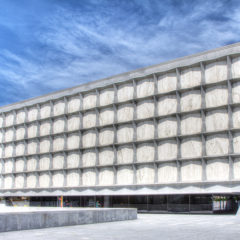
{"x":14,"y":218}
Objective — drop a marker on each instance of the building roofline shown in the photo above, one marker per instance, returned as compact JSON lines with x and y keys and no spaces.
{"x":138,"y":73}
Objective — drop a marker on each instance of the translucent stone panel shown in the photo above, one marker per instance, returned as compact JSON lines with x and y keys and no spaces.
{"x":236,"y":92}
{"x":19,"y":181}
{"x":125,"y":113}
{"x":106,"y":136}
{"x":9,"y":118}
{"x":216,"y":71}
{"x":31,"y":180}
{"x":191,"y":171}
{"x":20,"y":148}
{"x":89,"y":119}
{"x":236,"y":143}
{"x":236,"y":67}
{"x":73,"y":141}
{"x":19,"y":165}
{"x":89,"y":139}
{"x":20,"y":116}
{"x":106,"y":116}
{"x":20,"y":133}
{"x":145,"y":130}
{"x":217,"y":170}
{"x":217,"y":144}
{"x":191,"y":123}
{"x":217,"y":120}
{"x":145,"y":87}
{"x":191,"y":147}
{"x":1,"y":167}
{"x":88,"y":177}
{"x":167,"y":105}
{"x":44,"y":180}
{"x":8,"y":150}
{"x":167,"y":172}
{"x":73,"y":178}
{"x":89,"y":158}
{"x":73,"y":123}
{"x":89,"y":100}
{"x":216,"y":96}
{"x":58,"y":125}
{"x":73,"y":159}
{"x":9,"y":135}
{"x":45,"y":110}
{"x":125,"y":133}
{"x":106,"y":176}
{"x":236,"y":168}
{"x":145,"y":174}
{"x":45,"y":128}
{"x":8,"y":181}
{"x":32,"y":130}
{"x":32,"y":164}
{"x":74,"y":104}
{"x":58,"y":107}
{"x":236,"y":117}
{"x":58,"y":179}
{"x":190,"y":77}
{"x":32,"y":147}
{"x":125,"y":92}
{"x":167,"y":82}
{"x":106,"y":156}
{"x":58,"y":143}
{"x":125,"y":154}
{"x":106,"y":96}
{"x":8,"y":165}
{"x":145,"y":152}
{"x":167,"y":150}
{"x":190,"y":101}
{"x":145,"y":109}
{"x":58,"y":161}
{"x":44,"y":162}
{"x":45,"y":145}
{"x":125,"y":175}
{"x":32,"y":113}
{"x":167,"y":127}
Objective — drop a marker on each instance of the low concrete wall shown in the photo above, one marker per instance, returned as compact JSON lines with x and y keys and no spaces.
{"x":55,"y":217}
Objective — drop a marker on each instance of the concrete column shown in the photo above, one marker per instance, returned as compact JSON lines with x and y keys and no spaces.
{"x":106,"y":201}
{"x":115,"y":174}
{"x":37,"y":179}
{"x":13,"y":180}
{"x":81,"y":101}
{"x":231,"y":172}
{"x":14,"y":117}
{"x":115,"y":93}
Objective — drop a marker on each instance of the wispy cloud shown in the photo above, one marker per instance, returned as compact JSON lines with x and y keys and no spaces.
{"x":84,"y":41}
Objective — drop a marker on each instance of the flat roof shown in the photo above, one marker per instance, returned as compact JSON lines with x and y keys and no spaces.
{"x":139,"y":73}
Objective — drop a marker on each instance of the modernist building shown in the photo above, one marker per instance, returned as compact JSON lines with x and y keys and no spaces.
{"x":159,"y":138}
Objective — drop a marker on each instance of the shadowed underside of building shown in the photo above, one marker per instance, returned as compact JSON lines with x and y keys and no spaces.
{"x":164,"y":138}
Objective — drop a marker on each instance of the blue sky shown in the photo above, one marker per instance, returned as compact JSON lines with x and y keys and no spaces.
{"x":48,"y":45}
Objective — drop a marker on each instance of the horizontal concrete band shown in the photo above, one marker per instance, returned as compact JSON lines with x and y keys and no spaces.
{"x":217,"y":187}
{"x":36,"y":218}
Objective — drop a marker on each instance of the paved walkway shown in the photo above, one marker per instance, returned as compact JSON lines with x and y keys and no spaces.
{"x":148,"y":226}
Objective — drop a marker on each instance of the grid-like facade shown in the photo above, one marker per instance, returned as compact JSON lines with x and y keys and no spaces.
{"x":175,"y":126}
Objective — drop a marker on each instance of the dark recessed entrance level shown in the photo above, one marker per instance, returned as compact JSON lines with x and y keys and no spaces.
{"x":150,"y":203}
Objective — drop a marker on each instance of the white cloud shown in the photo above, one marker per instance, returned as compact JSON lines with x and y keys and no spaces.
{"x":81,"y":47}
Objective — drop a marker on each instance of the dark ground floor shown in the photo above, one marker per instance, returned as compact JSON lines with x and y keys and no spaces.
{"x":144,"y":203}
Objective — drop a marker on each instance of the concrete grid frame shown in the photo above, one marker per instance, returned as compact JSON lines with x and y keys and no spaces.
{"x":169,"y":128}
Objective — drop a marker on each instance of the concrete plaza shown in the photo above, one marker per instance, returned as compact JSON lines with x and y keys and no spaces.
{"x":147,"y":226}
